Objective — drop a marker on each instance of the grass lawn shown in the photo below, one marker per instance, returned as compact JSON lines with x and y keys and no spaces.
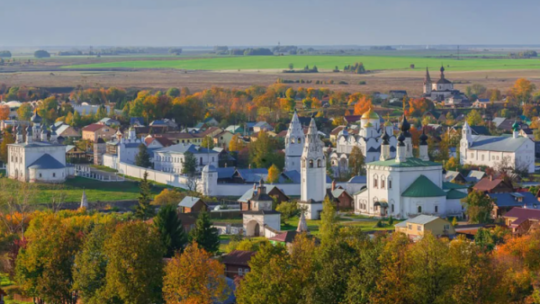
{"x":95,"y":190}
{"x":104,"y":168}
{"x":4,"y":280}
{"x":322,"y":62}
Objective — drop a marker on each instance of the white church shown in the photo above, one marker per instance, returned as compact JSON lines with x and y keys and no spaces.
{"x":404,"y":186}
{"x":39,"y":158}
{"x":368,"y":140}
{"x":515,"y":152}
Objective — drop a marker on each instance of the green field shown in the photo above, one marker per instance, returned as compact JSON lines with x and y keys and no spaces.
{"x":95,"y":190}
{"x":322,"y":62}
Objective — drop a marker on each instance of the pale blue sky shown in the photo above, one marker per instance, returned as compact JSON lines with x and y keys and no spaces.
{"x":265,"y":22}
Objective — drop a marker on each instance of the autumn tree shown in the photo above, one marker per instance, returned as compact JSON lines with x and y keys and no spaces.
{"x":7,"y":139}
{"x":4,"y":112}
{"x":194,"y":277}
{"x":236,"y":144}
{"x":262,"y":152}
{"x":522,"y":90}
{"x":24,"y":111}
{"x":362,"y":105}
{"x":170,"y":229}
{"x":135,"y":265}
{"x":207,"y":142}
{"x":204,"y":234}
{"x":479,"y":207}
{"x":356,"y":161}
{"x":144,"y":210}
{"x":329,"y":222}
{"x":287,"y":210}
{"x":168,"y":197}
{"x":273,"y":174}
{"x":474,"y":118}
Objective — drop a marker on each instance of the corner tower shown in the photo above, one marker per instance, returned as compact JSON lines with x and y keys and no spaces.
{"x":294,"y":144}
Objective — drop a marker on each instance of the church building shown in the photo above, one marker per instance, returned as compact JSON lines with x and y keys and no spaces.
{"x":442,"y":90}
{"x":294,"y":144}
{"x":498,"y":152}
{"x":404,"y":186}
{"x":39,"y":158}
{"x":368,"y":140}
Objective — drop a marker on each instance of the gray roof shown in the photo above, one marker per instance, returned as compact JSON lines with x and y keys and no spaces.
{"x":498,"y":121}
{"x":225,"y":172}
{"x":420,"y":220}
{"x":37,"y":144}
{"x":189,"y":201}
{"x":475,"y":176}
{"x":450,"y":175}
{"x":249,"y":193}
{"x":46,"y":161}
{"x":497,"y":143}
{"x":183,"y":148}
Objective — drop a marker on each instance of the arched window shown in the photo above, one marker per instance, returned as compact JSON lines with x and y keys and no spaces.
{"x":303,"y":163}
{"x":375,"y":181}
{"x":299,"y":140}
{"x":389,"y":182}
{"x":311,"y":163}
{"x":292,"y":140}
{"x":419,"y":209}
{"x":319,"y":163}
{"x":392,"y":208}
{"x":383,"y":181}
{"x":436,"y":209}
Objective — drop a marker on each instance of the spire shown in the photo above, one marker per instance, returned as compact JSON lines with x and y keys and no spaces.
{"x":442,"y":72}
{"x":312,"y":130}
{"x":427,"y":79}
{"x":84,"y":200}
{"x":302,"y":224}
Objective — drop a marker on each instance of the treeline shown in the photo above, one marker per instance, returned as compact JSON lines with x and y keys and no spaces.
{"x":357,"y":68}
{"x":525,"y":54}
{"x":5,"y":54}
{"x":306,"y":69}
{"x":121,"y":51}
{"x":382,"y":48}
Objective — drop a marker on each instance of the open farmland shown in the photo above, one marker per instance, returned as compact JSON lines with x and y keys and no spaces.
{"x":322,"y":62}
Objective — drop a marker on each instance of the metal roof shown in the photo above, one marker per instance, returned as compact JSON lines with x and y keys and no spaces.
{"x":455,"y":194}
{"x":511,"y":199}
{"x":423,"y":187}
{"x":183,"y":148}
{"x":421,"y":219}
{"x":410,"y":162}
{"x":46,"y":161}
{"x":189,"y":201}
{"x":497,"y":143}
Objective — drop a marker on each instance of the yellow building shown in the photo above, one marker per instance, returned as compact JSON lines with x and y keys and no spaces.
{"x":415,"y":228}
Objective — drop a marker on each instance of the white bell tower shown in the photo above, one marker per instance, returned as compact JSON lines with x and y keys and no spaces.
{"x":465,"y":143}
{"x":294,"y":144}
{"x":313,"y":171}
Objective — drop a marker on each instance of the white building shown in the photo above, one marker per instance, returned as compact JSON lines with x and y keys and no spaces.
{"x":171,"y":159}
{"x":499,"y":152}
{"x":38,"y":159}
{"x":294,"y":144}
{"x":261,"y":219}
{"x":123,"y":149}
{"x":312,"y":173}
{"x":368,"y":140}
{"x":404,"y":186}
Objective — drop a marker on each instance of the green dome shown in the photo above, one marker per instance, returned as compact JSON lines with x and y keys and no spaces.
{"x":370,"y":115}
{"x":515,"y":126}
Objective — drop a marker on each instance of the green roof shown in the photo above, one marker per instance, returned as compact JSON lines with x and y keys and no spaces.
{"x":410,"y":162}
{"x":423,"y":187}
{"x":448,"y":185}
{"x":455,"y":194}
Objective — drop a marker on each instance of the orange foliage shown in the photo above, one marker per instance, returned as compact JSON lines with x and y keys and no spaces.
{"x":417,"y":107}
{"x":362,"y":105}
{"x":4,"y":112}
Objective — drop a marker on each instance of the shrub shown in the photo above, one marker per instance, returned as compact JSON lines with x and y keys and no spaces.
{"x":362,"y":82}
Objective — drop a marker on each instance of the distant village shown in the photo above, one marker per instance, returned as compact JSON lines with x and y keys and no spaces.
{"x":444,"y":164}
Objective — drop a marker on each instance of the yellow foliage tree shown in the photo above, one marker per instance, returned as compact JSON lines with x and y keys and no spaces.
{"x":273,"y":174}
{"x":194,"y":277}
{"x":167,"y":197}
{"x":236,"y":144}
{"x":522,"y":90}
{"x":362,"y":105}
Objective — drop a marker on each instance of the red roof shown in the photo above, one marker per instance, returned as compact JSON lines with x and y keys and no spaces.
{"x":209,"y":130}
{"x":352,"y":118}
{"x":93,"y":127}
{"x":285,"y":237}
{"x":238,"y":257}
{"x":487,"y":184}
{"x":523,"y":214}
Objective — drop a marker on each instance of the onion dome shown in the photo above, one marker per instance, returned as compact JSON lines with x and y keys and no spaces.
{"x":423,"y":137}
{"x":385,"y":138}
{"x":401,"y":139}
{"x":369,"y":125}
{"x":515,"y":126}
{"x":370,"y":114}
{"x":36,"y":118}
{"x":405,"y":125}
{"x":29,"y":131}
{"x":387,"y":123}
{"x":44,"y":129}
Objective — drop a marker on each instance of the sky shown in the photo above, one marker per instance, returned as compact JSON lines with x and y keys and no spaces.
{"x":266,"y":22}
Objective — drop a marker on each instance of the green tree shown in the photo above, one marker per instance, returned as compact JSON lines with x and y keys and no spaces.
{"x":474,"y":118}
{"x":290,"y":93}
{"x":135,"y":265}
{"x":171,"y":230}
{"x":7,"y":139}
{"x":173,"y":92}
{"x":25,"y":111}
{"x":207,"y":142}
{"x":479,"y":207}
{"x":190,"y":164}
{"x":329,"y":222}
{"x":142,"y":159}
{"x":287,"y":210}
{"x":90,"y":267}
{"x":144,"y":210}
{"x":41,"y":54}
{"x":204,"y":234}
{"x":356,"y":161}
{"x":77,"y":120}
{"x":262,"y":152}
{"x":291,"y":66}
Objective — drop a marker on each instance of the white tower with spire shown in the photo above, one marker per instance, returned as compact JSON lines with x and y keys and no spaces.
{"x":427,"y":83}
{"x":465,"y":143}
{"x":294,"y":144}
{"x":313,"y":173}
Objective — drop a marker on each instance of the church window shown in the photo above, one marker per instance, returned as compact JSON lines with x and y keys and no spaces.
{"x":419,"y":209}
{"x":383,"y":181}
{"x":54,"y":175}
{"x":375,"y":181}
{"x":319,"y":163}
{"x":40,"y":175}
{"x":389,"y":183}
{"x":311,"y":163}
{"x":392,"y":208}
{"x":436,"y":209}
{"x":299,"y":140}
{"x":200,"y":161}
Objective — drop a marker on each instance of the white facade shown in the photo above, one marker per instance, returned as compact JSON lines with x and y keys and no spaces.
{"x":499,"y":152}
{"x":439,"y":90}
{"x":37,"y":159}
{"x":368,"y":140}
{"x":404,"y":187}
{"x":171,"y":159}
{"x":294,"y":145}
